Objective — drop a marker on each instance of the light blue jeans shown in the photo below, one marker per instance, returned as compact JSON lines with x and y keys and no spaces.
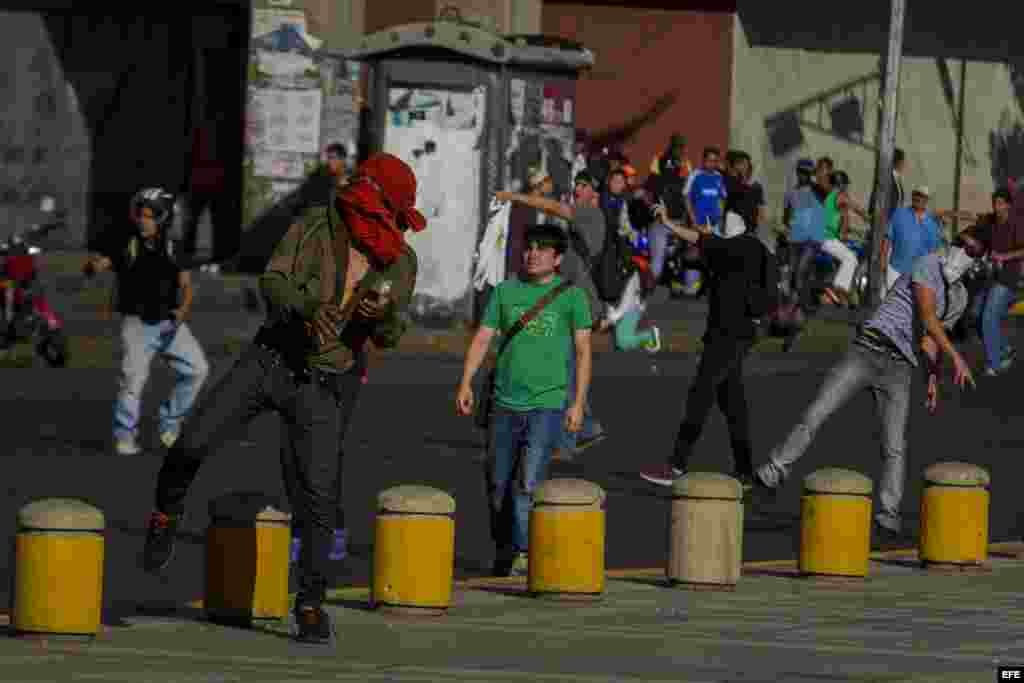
{"x":990,"y":309}
{"x":658,"y":235}
{"x":519,"y":448}
{"x":889,"y":380}
{"x":175,"y":343}
{"x":627,"y":338}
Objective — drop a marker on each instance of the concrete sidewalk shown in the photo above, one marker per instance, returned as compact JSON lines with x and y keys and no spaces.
{"x":901,"y":624}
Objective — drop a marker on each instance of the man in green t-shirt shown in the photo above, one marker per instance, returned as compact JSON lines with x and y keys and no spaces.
{"x":530,"y":387}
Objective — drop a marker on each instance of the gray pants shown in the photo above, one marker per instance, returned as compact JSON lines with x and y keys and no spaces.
{"x":889,"y":379}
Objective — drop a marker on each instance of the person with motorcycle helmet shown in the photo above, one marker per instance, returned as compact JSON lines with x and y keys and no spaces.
{"x":909,"y":327}
{"x":154,"y":297}
{"x":804,"y":216}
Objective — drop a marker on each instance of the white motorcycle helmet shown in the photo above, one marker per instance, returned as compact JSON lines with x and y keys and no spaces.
{"x":955,"y":263}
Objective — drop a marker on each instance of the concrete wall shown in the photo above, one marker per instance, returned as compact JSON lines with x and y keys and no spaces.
{"x":642,"y":55}
{"x":769,"y":80}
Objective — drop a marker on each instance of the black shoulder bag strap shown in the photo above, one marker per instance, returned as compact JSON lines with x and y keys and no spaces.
{"x":529,"y":315}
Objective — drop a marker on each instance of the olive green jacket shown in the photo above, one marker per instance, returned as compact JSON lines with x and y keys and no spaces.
{"x":307,"y":270}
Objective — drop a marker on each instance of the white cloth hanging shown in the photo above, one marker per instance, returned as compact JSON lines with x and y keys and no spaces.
{"x":490,"y":254}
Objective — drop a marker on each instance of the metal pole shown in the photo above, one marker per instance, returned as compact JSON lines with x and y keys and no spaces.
{"x":959,"y":146}
{"x":887,"y":141}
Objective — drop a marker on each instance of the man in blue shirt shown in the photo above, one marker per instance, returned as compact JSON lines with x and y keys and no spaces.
{"x":705,"y":192}
{"x":914,"y":231}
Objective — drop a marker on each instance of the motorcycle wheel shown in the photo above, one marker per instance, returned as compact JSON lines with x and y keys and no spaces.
{"x":860,"y":283}
{"x":53,"y":348}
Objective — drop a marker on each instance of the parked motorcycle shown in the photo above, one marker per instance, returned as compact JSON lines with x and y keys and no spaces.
{"x":26,"y":313}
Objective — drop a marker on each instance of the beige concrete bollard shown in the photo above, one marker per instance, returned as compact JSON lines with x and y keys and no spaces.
{"x":567,"y":532}
{"x":954,"y":517}
{"x":248,"y":546}
{"x":706,"y":532}
{"x":414,"y":551}
{"x":58,"y":569}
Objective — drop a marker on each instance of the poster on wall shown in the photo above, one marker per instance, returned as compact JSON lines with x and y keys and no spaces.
{"x":542,"y":135}
{"x":266,"y":21}
{"x":299,"y":100}
{"x":289,"y":119}
{"x":339,"y":121}
{"x":439,"y":133}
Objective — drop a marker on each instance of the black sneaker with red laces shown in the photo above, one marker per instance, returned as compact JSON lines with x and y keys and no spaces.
{"x":159,"y":549}
{"x":313,"y":625}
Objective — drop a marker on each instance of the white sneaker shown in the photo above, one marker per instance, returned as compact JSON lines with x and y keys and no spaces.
{"x":169,"y":437}
{"x":655,"y":345}
{"x":613,"y":314}
{"x":127,"y":446}
{"x":770,"y":474}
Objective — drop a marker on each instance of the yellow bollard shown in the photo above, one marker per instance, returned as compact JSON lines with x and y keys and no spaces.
{"x":566,"y":550}
{"x":59,"y":550}
{"x":954,"y":516}
{"x":835,"y":524}
{"x":248,"y":546}
{"x":414,"y":551}
{"x":705,"y":536}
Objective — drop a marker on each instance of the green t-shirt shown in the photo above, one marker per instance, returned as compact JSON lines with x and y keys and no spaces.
{"x":533,"y":372}
{"x":832,"y":216}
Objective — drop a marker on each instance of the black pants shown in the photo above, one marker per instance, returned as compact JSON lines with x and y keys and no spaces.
{"x":802,"y":256}
{"x":312,"y":416}
{"x":719,"y":377}
{"x":350,"y":385}
{"x":226,"y":235}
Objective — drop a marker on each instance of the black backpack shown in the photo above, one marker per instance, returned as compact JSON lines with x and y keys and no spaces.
{"x":763,"y":297}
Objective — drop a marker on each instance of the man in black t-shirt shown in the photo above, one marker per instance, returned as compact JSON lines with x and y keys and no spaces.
{"x":745,"y":196}
{"x":735,"y":265}
{"x":154,"y":298}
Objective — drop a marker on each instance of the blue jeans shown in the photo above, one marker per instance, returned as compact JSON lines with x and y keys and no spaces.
{"x":519,"y":448}
{"x":590,"y":427}
{"x":990,"y":309}
{"x":176,"y":344}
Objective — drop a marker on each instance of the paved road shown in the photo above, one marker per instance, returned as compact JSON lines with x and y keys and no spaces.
{"x":56,"y":435}
{"x":901,"y":624}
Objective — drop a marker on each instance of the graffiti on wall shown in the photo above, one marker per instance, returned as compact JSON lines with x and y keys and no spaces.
{"x":439,"y":133}
{"x":299,"y":101}
{"x":542,"y":134}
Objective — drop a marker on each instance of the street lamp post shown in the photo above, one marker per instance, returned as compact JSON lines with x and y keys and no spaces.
{"x":887,"y":142}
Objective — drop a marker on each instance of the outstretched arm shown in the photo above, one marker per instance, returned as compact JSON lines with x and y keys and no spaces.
{"x":688,"y":234}
{"x":548,"y":206}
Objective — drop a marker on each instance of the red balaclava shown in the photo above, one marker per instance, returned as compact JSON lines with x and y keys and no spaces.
{"x":377,"y":205}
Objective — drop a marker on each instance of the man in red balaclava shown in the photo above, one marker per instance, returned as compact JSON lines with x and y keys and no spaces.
{"x":341,"y":275}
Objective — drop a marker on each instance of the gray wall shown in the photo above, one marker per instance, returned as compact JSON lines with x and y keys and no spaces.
{"x":772,"y":77}
{"x":88,"y":124}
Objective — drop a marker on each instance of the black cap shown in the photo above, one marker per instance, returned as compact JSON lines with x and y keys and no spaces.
{"x":586,"y":178}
